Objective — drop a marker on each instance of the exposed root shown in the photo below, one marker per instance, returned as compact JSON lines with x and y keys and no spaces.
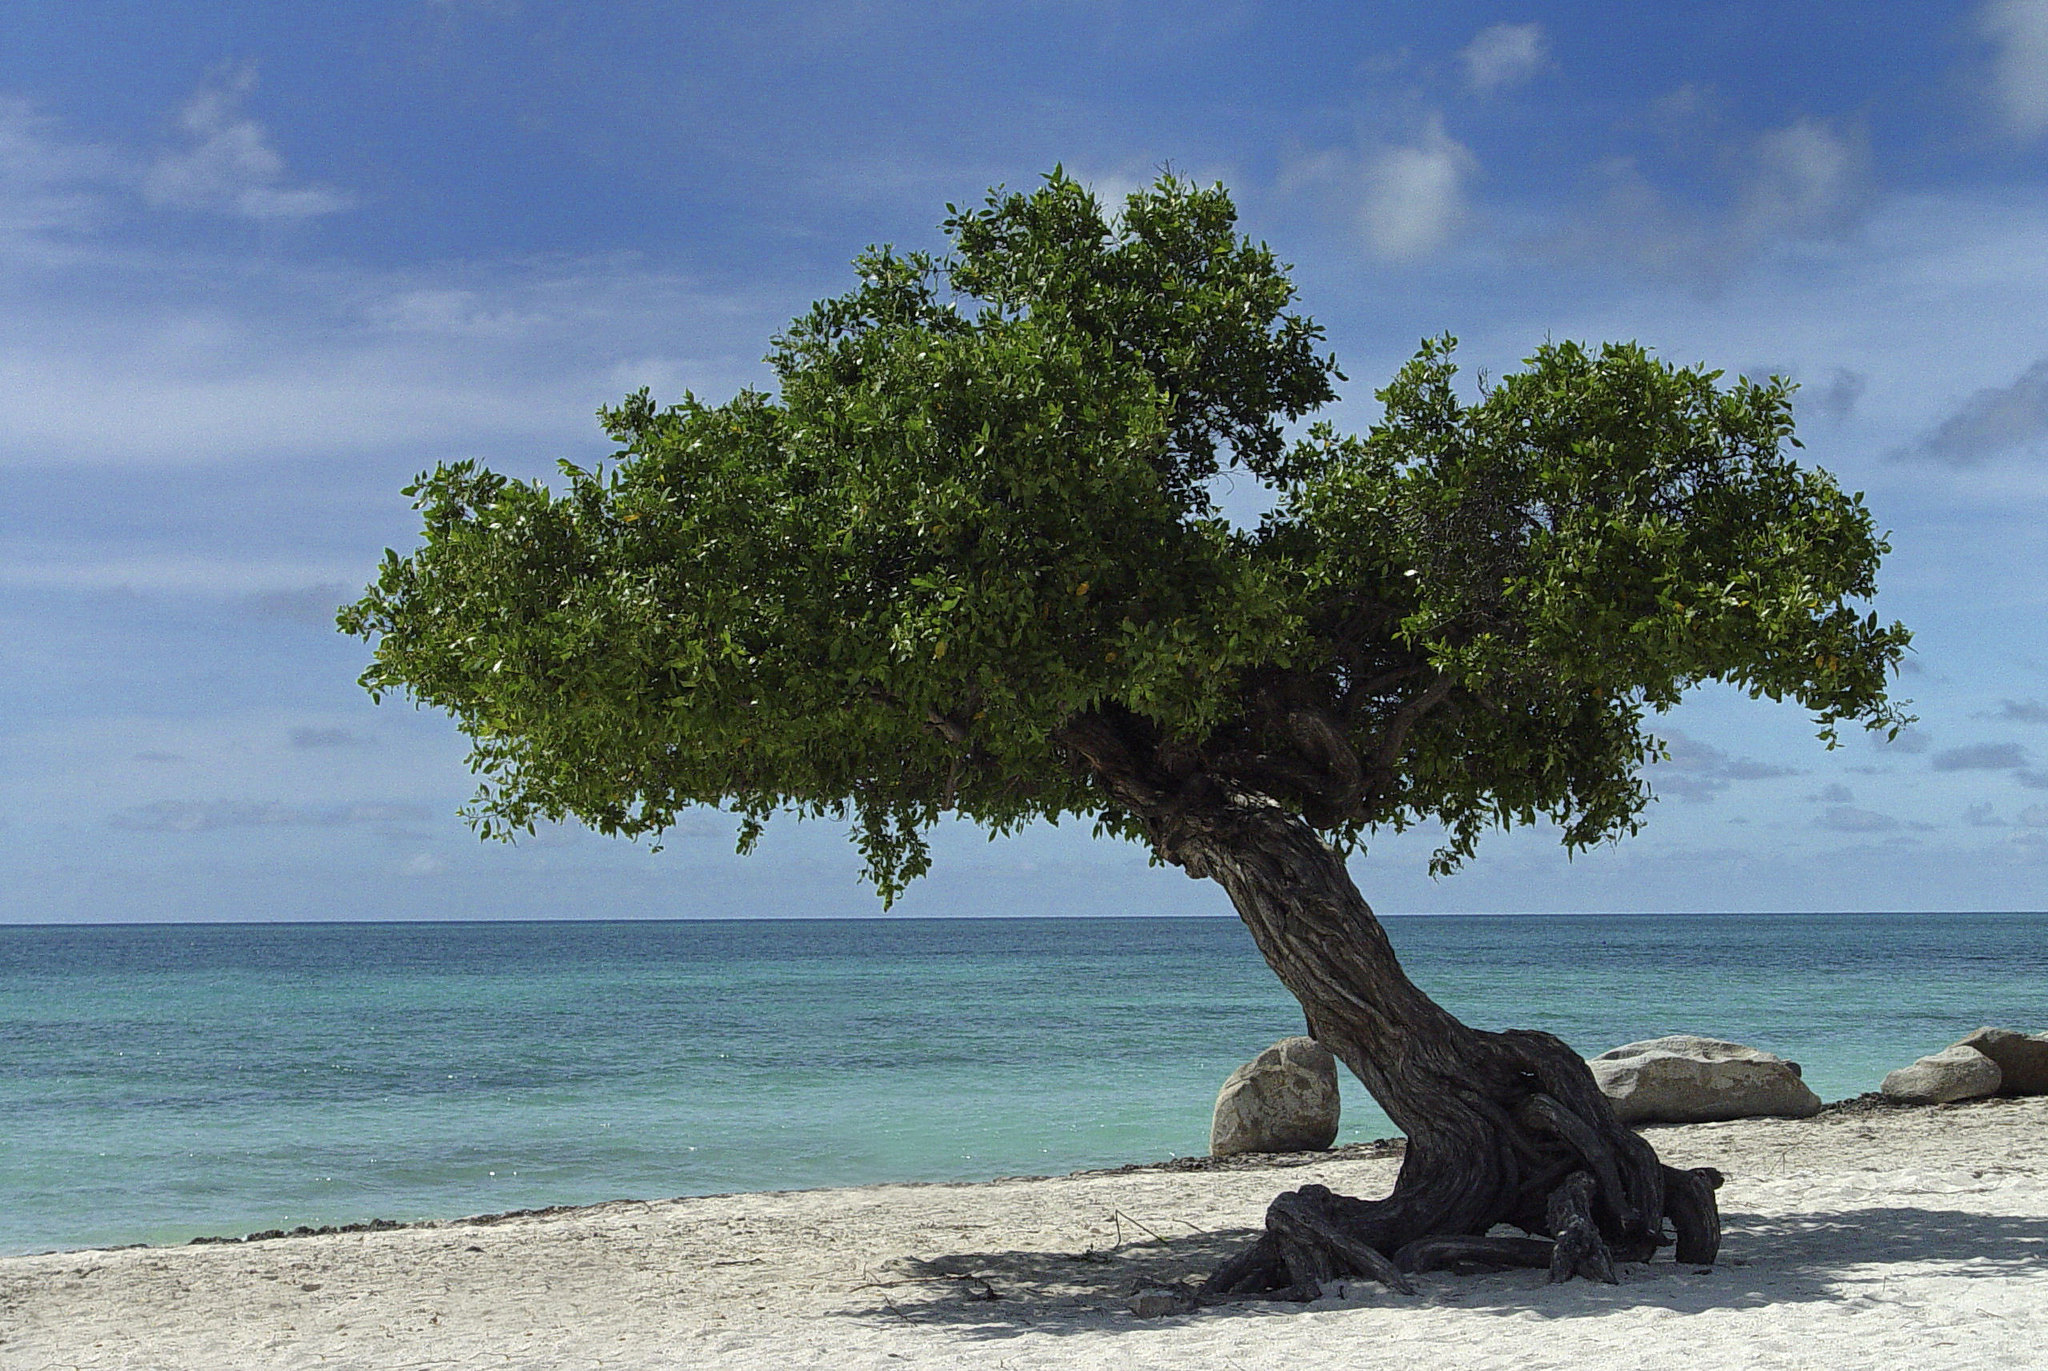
{"x":1318,"y":1250}
{"x":1577,"y":1248}
{"x":1554,"y":1163}
{"x":1597,"y":1155}
{"x":1689,"y":1203}
{"x":1444,"y":1251}
{"x":1314,"y":1237}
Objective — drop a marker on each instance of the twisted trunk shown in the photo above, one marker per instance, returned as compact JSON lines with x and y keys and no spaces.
{"x":1502,"y":1127}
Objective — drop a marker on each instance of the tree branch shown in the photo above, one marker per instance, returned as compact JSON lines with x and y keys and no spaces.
{"x":1395,"y":740}
{"x":1103,"y":749}
{"x":1365,"y":690}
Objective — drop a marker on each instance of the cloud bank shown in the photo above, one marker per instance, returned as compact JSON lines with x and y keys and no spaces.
{"x":1980,"y":757}
{"x":1698,"y":771}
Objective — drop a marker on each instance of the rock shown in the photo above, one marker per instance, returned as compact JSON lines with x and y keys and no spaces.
{"x":1283,"y":1100}
{"x":1686,"y":1079}
{"x":2022,"y":1059}
{"x":1954,"y":1073}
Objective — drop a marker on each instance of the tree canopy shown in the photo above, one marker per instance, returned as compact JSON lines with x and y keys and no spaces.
{"x":965,"y":558}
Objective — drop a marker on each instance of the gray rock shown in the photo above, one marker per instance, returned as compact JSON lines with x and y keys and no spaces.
{"x":1954,"y":1073}
{"x":1686,"y":1079}
{"x":2022,"y":1059}
{"x":1283,"y":1100}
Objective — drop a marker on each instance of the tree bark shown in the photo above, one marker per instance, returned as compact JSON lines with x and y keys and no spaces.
{"x":1502,"y":1128}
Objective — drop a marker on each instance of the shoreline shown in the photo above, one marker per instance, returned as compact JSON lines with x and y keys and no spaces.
{"x":1869,"y":1102}
{"x":1860,"y":1237}
{"x":1250,"y":1161}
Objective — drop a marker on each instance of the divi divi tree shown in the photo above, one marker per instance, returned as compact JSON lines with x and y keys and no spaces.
{"x":964,"y":559}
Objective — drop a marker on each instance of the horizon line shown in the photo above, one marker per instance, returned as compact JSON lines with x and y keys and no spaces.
{"x":1006,"y":918}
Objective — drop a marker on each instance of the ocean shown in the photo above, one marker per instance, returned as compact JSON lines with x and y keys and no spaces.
{"x":162,"y":1082}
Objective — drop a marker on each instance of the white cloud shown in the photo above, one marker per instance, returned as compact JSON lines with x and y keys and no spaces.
{"x":155,"y":359}
{"x":227,"y":164}
{"x":210,"y":816}
{"x":311,"y":736}
{"x":49,"y":184}
{"x":1807,"y":182}
{"x":1113,"y":189}
{"x":119,"y":353}
{"x":1415,"y":195}
{"x":1807,"y":179}
{"x":452,"y":312}
{"x":60,"y":566}
{"x":2019,"y":73}
{"x":1504,"y":55}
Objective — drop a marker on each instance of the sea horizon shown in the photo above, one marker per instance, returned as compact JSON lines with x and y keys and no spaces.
{"x":1224,"y":917}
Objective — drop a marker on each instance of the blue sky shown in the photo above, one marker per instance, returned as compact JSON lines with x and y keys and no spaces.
{"x":263,"y":263}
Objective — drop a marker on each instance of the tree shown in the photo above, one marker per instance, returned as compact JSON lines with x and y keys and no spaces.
{"x":965,"y":561}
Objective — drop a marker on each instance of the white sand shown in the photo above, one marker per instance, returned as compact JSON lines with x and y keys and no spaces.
{"x":1900,"y":1239}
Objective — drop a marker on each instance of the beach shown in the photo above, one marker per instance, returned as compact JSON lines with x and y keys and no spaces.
{"x":1877,"y":1237}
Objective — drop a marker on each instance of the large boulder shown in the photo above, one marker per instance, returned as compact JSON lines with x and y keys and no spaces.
{"x":2022,"y":1059}
{"x":1283,"y":1100}
{"x":1954,"y":1073}
{"x":1685,"y":1079}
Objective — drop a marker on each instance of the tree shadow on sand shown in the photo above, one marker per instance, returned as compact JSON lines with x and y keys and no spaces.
{"x":1793,"y":1259}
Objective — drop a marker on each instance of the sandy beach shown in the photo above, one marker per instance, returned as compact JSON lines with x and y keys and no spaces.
{"x":1889,"y":1238}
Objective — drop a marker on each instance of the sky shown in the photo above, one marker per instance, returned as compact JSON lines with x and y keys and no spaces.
{"x":262,"y":264}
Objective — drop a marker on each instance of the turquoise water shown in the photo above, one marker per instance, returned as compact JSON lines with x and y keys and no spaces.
{"x":162,"y":1082}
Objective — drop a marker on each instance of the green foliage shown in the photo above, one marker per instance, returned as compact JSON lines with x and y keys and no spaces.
{"x":976,"y":513}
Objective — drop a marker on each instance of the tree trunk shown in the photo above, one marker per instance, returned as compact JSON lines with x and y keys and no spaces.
{"x":1502,"y":1127}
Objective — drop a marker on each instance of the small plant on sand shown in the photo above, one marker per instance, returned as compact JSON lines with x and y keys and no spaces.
{"x":965,"y":561}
